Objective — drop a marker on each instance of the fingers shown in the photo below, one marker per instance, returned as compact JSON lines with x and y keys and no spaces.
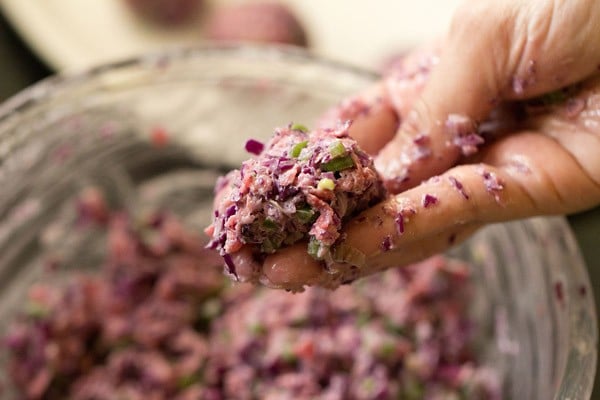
{"x":554,"y":178}
{"x":433,"y":214}
{"x":450,"y":94}
{"x":408,"y":227}
{"x":293,"y":268}
{"x":514,"y":182}
{"x":552,"y":44}
{"x":493,"y":52}
{"x":374,"y":121}
{"x":574,"y":123}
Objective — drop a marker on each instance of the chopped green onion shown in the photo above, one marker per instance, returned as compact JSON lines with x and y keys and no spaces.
{"x":270,"y":224}
{"x":338,"y":164}
{"x":186,"y":381}
{"x":211,"y":308}
{"x":326,"y":184}
{"x":314,"y":247}
{"x":288,"y":355}
{"x":305,"y":215}
{"x":292,"y":237}
{"x":122,"y":343}
{"x":368,"y":384}
{"x":344,"y":253}
{"x":362,"y":319}
{"x":297,"y":149}
{"x":270,"y":246}
{"x":37,"y":310}
{"x":299,"y":322}
{"x":337,"y":149}
{"x":257,"y":329}
{"x":299,"y":127}
{"x":387,"y":349}
{"x":413,"y":389}
{"x":395,"y":329}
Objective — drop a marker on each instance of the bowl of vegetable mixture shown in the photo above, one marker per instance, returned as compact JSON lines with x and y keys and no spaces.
{"x":108,"y":289}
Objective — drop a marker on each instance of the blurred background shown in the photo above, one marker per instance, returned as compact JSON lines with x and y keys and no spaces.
{"x":40,"y":38}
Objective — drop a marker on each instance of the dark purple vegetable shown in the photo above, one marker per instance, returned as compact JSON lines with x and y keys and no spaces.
{"x":400,"y":223}
{"x":429,"y":200}
{"x":254,"y":147}
{"x":463,"y":133}
{"x":458,"y":186}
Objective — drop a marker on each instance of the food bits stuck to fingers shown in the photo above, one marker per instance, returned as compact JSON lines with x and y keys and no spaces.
{"x":302,"y":186}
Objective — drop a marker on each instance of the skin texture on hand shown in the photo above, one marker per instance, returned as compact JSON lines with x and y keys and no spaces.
{"x":475,"y":84}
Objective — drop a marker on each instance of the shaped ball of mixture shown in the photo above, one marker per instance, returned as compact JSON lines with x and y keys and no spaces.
{"x":300,"y":186}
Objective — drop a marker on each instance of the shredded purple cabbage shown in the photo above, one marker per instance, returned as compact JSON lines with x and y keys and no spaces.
{"x":386,"y":244}
{"x":458,"y":186}
{"x":429,"y":200}
{"x":254,"y":147}
{"x":399,"y":223}
{"x":159,"y":322}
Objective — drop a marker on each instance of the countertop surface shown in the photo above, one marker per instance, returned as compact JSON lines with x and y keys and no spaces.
{"x":19,"y":68}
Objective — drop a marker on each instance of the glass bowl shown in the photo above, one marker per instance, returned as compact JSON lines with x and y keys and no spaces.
{"x":158,"y":130}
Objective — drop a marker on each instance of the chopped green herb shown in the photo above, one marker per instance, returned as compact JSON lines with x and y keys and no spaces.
{"x":270,"y":224}
{"x":362,"y":319}
{"x":257,"y":329}
{"x":314,"y":247}
{"x":394,"y":328}
{"x":288,"y":355}
{"x":299,"y":322}
{"x":368,"y":384}
{"x":387,"y":349}
{"x":211,"y":308}
{"x":413,"y":389}
{"x":326,"y":184}
{"x":268,"y":246}
{"x":299,"y":127}
{"x":123,"y":343}
{"x":36,"y":310}
{"x":337,"y":149}
{"x":297,"y":149}
{"x":292,"y":237}
{"x":305,"y":215}
{"x":338,"y":164}
{"x":344,"y":253}
{"x":186,"y":381}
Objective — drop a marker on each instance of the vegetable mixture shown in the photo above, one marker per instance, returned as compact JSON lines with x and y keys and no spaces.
{"x":301,"y":186}
{"x":159,"y":321}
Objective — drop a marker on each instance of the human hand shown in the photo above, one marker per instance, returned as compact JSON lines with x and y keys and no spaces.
{"x":540,"y":160}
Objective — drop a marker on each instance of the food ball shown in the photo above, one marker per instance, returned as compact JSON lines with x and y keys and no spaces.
{"x":302,"y":186}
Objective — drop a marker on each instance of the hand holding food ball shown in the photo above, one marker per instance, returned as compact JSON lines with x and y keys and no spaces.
{"x":520,"y":76}
{"x":301,"y":187}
